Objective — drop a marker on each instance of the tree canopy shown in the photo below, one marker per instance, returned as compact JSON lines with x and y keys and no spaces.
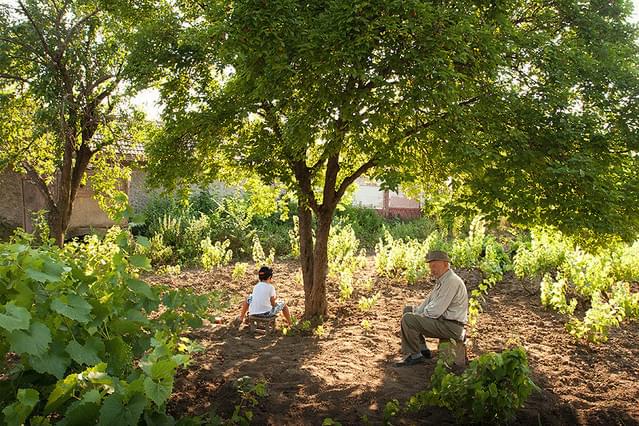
{"x":526,"y":109}
{"x":63,"y":73}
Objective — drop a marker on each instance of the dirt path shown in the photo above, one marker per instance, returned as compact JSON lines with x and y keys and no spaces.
{"x":347,"y":374}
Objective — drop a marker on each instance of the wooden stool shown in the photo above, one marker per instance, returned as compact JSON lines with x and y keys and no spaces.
{"x":454,"y":349}
{"x":265,"y":324}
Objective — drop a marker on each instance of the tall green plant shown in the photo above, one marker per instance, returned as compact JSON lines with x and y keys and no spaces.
{"x":78,"y":321}
{"x":489,"y":391}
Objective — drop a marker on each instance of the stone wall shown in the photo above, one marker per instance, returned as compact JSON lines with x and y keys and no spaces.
{"x":19,"y":199}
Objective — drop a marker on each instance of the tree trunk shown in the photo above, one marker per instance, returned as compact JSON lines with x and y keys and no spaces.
{"x":306,"y":249}
{"x":315,"y":293}
{"x":55,"y":225}
{"x":314,"y":256}
{"x":68,"y":184}
{"x":60,"y":217}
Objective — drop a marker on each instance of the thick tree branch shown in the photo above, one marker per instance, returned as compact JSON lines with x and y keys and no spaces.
{"x":352,"y":178}
{"x":89,"y":89}
{"x":329,"y":199}
{"x":34,"y":177}
{"x":82,"y":159}
{"x":303,"y":176}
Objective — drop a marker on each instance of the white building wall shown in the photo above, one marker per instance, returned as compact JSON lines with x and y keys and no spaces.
{"x":368,"y":195}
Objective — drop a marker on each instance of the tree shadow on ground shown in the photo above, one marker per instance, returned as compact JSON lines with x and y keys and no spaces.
{"x":347,"y":374}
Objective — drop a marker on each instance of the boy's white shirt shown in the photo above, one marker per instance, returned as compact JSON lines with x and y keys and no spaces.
{"x":261,"y":302}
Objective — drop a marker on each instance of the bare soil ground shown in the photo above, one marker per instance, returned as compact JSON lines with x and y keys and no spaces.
{"x":347,"y":374}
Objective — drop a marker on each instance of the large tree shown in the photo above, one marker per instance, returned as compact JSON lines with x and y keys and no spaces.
{"x":62,"y":75}
{"x":527,"y":108}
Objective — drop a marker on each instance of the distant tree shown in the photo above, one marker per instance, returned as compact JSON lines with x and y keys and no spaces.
{"x":528,"y":109}
{"x":62,"y":75}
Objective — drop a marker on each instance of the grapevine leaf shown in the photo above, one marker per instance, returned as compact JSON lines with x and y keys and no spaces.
{"x":17,"y":413}
{"x":41,"y":277}
{"x":136,"y":315}
{"x":116,"y":411}
{"x":72,"y":306}
{"x":143,"y":241}
{"x":25,"y":294}
{"x":141,"y":288}
{"x":164,"y":369}
{"x":54,"y":362}
{"x":122,"y":326}
{"x":122,"y":240}
{"x":159,"y":391}
{"x":86,"y":354}
{"x":61,"y":392}
{"x":97,"y":375}
{"x":35,"y":341}
{"x":15,"y":318}
{"x":83,"y":412}
{"x":156,"y":418}
{"x":140,"y":261}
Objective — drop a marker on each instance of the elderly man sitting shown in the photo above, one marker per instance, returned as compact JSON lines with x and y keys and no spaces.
{"x":442,"y":315}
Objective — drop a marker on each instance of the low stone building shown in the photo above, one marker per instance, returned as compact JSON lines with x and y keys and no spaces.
{"x":20,"y":199}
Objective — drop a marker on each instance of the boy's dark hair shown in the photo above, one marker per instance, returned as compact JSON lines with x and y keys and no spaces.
{"x":265,"y":273}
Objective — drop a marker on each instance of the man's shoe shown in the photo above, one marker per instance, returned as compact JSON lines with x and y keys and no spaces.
{"x":408,"y":361}
{"x":426,"y":353}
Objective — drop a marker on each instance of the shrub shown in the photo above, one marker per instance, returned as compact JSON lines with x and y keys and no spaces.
{"x":258,"y":254}
{"x":625,"y":263}
{"x":553,"y":294}
{"x":169,"y":270}
{"x":239,"y":271}
{"x":367,"y":224}
{"x":490,"y":391}
{"x":415,"y":229}
{"x":196,"y":229}
{"x":215,"y":255}
{"x":367,"y":303}
{"x":345,"y":286}
{"x":78,"y":325}
{"x":158,"y":252}
{"x":465,"y":252}
{"x":603,"y":315}
{"x":406,"y":259}
{"x":169,"y":227}
{"x":545,"y":252}
{"x":344,"y":256}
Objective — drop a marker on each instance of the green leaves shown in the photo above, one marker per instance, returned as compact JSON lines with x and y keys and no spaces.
{"x":61,"y":392}
{"x":117,"y":410}
{"x":141,"y":262}
{"x":86,"y":354}
{"x":141,"y":288}
{"x":54,"y":362}
{"x":72,"y":306}
{"x":158,"y":391}
{"x":491,"y":390}
{"x":14,"y":318}
{"x":95,"y":312}
{"x":16,"y":413}
{"x":34,"y":341}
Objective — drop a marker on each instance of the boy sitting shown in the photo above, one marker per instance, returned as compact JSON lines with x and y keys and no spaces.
{"x":262,"y":302}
